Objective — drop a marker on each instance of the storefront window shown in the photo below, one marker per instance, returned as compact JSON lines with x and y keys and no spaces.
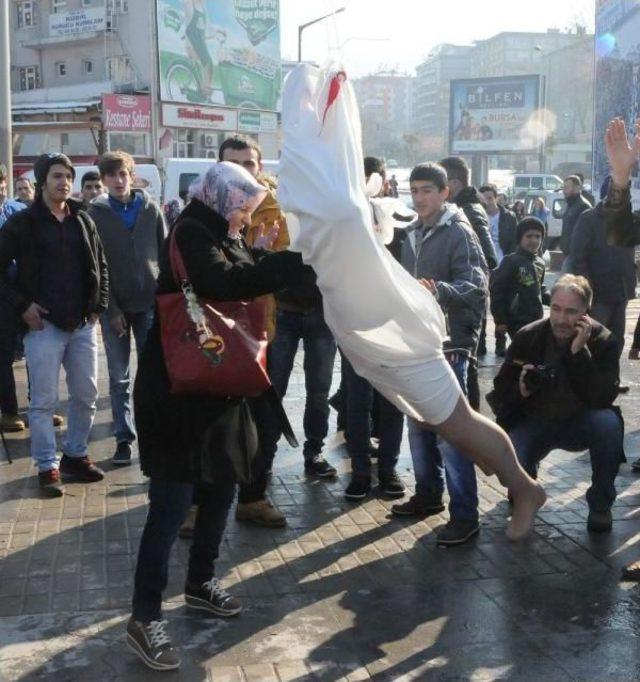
{"x":136,"y":144}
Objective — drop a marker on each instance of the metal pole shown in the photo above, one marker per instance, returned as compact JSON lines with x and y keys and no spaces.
{"x":301,"y":28}
{"x":6,"y":138}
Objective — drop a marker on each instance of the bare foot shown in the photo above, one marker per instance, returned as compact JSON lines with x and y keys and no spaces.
{"x":525,"y":505}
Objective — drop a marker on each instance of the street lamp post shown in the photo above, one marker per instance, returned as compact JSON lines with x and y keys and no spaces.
{"x":6,"y":141}
{"x":301,"y":28}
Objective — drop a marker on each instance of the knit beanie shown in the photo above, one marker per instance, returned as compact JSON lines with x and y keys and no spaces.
{"x":43,"y":164}
{"x":526,"y":224}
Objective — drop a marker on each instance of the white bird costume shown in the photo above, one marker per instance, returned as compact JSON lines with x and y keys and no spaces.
{"x":390,"y":327}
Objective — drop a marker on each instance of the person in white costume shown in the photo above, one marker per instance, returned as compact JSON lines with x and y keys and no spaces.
{"x":387,"y":324}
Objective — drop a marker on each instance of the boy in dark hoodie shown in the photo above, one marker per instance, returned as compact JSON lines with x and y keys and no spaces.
{"x":517,"y":285}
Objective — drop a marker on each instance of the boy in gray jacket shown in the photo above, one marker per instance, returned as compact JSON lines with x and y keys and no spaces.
{"x":444,"y":253}
{"x":132,"y":230}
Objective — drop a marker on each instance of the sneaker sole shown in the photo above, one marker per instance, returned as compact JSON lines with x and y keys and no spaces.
{"x":421,"y":512}
{"x":393,"y":493}
{"x":52,"y":492}
{"x":353,"y":497}
{"x":149,"y":662}
{"x":328,"y":474}
{"x":459,"y":541}
{"x":204,"y":605}
{"x":121,"y":462}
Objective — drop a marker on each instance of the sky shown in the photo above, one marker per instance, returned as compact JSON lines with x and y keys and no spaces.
{"x":371,"y":35}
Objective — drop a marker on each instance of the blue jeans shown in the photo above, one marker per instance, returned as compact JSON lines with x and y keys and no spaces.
{"x":359,"y":403}
{"x":118,"y":351}
{"x":169,"y":503}
{"x":319,"y":355}
{"x":599,"y":431}
{"x":429,"y":453}
{"x":46,"y":351}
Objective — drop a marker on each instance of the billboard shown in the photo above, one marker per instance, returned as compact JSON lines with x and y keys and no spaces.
{"x":617,"y":89}
{"x":220,"y":52}
{"x":491,"y":115}
{"x":87,"y":20}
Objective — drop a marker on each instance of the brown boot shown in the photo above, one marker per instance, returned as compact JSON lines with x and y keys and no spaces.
{"x":262,"y":513}
{"x":12,"y":423}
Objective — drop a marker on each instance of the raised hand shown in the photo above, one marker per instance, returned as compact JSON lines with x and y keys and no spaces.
{"x":266,"y":240}
{"x":622,"y":155}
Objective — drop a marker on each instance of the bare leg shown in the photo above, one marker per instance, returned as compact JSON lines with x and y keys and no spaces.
{"x":489,"y":447}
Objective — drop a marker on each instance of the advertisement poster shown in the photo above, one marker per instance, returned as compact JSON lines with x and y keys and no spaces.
{"x":72,"y":23}
{"x":127,"y":113}
{"x":494,"y":115}
{"x":617,"y":78}
{"x":220,"y":52}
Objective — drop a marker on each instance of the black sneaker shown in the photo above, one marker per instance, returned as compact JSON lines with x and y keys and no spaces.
{"x":318,"y":466}
{"x":600,"y":521}
{"x":210,"y":596}
{"x":50,"y":484}
{"x":419,"y":505}
{"x":635,"y":465}
{"x":80,"y":468}
{"x":150,"y":642}
{"x":457,"y":532}
{"x":359,"y":487}
{"x":122,"y":456}
{"x":391,"y":485}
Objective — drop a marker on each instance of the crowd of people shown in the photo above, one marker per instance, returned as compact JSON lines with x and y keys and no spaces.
{"x":67,"y":266}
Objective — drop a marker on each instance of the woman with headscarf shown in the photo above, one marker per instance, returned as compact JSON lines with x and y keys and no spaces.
{"x":187,"y":443}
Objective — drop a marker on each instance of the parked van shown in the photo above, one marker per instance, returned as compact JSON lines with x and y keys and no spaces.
{"x":146,"y":177}
{"x":557,"y":204}
{"x":180,"y":173}
{"x":524,"y":182}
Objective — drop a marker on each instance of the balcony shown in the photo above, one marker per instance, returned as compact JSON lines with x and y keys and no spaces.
{"x":43,"y":42}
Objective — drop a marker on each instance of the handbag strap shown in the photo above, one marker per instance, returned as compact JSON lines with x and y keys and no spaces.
{"x":176,"y":262}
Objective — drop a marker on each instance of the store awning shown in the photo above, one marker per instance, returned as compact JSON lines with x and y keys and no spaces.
{"x":62,"y":107}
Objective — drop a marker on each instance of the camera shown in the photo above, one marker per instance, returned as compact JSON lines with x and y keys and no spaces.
{"x":540,"y":377}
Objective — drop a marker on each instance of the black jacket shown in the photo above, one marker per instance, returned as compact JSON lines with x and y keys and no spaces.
{"x":611,"y":270}
{"x":192,"y":438}
{"x":470,"y":201}
{"x":576,"y":206}
{"x":517,"y":290}
{"x":621,"y":222}
{"x":507,"y":230}
{"x":593,"y":374}
{"x":19,"y":243}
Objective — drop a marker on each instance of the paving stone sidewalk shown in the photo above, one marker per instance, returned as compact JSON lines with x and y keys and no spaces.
{"x":345,"y":592}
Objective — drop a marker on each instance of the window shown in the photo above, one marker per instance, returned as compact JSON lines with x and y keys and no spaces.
{"x":184,"y":143}
{"x":29,"y":77}
{"x":87,"y":66}
{"x":118,"y":6}
{"x":58,"y":6}
{"x":27,"y":12}
{"x":536,"y":182}
{"x":119,"y":70}
{"x":552,"y":183}
{"x":61,"y":69}
{"x":522,"y":182}
{"x":87,"y":3}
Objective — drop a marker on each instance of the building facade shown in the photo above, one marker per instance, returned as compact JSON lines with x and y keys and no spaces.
{"x":85,"y":79}
{"x":443,"y":64}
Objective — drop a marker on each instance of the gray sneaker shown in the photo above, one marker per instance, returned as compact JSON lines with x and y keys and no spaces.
{"x":457,"y":532}
{"x":150,"y":642}
{"x":212,"y":597}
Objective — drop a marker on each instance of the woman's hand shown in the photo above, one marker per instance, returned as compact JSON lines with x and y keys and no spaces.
{"x":266,"y":241}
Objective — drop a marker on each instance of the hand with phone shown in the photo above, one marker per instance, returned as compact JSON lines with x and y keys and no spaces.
{"x":584,"y":326}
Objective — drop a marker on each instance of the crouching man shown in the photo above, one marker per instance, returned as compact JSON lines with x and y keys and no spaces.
{"x":556,"y":388}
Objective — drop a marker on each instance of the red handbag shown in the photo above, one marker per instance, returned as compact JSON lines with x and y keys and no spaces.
{"x":211,"y":348}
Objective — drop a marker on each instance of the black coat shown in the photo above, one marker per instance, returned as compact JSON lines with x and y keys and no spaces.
{"x":611,"y":270}
{"x":593,"y":374}
{"x":470,"y":201}
{"x":507,"y":230}
{"x":19,"y":243}
{"x":576,"y":206}
{"x":188,"y":438}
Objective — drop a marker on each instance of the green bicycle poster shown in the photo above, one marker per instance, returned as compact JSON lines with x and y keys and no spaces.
{"x":223,"y":52}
